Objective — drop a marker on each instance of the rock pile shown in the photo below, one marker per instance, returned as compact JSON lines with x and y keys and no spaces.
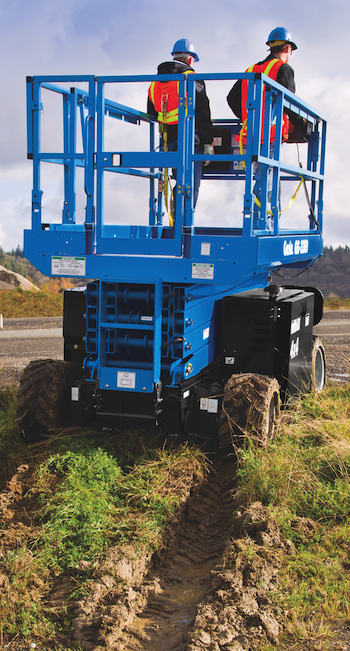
{"x":12,"y":280}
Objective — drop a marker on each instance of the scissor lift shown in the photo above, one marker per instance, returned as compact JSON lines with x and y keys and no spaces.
{"x":150,"y":334}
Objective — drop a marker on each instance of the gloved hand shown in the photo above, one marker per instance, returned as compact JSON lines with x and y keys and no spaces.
{"x":208,"y":149}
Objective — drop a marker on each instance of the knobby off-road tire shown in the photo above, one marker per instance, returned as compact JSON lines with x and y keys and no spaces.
{"x":251,"y":407}
{"x":40,"y":394}
{"x":318,"y":365}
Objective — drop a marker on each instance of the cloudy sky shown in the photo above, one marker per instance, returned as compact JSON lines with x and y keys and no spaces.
{"x":39,"y":37}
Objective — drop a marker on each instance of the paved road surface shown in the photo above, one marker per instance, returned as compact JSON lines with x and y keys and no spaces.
{"x":334,"y":331}
{"x":23,"y":340}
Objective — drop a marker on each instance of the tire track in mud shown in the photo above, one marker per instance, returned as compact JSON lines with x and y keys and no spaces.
{"x":182,"y":580}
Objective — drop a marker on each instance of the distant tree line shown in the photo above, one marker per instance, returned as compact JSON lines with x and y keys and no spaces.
{"x":10,"y":261}
{"x":330,"y":273}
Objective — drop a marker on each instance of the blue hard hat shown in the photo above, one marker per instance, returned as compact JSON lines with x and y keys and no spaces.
{"x":184,"y":45}
{"x":280,"y":36}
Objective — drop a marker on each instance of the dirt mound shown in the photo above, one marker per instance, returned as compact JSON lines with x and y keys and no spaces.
{"x":117,"y":593}
{"x":238,"y":613}
{"x":13,"y":280}
{"x":13,"y":494}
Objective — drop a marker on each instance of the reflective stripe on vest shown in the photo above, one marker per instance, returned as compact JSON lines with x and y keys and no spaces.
{"x":270,"y":69}
{"x":164,"y":96}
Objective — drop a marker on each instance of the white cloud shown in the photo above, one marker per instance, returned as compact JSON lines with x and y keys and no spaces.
{"x":15,"y":217}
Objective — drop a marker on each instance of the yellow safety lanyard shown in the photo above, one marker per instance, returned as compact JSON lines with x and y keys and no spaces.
{"x":163,"y":130}
{"x":291,"y":201}
{"x":164,"y":118}
{"x":256,"y":200}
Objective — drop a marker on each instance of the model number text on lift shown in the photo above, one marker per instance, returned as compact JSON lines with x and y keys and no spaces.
{"x":297,"y":248}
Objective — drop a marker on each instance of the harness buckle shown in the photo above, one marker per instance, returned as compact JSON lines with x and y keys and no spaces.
{"x":163,"y":102}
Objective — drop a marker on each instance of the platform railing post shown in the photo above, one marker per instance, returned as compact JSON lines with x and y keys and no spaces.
{"x":36,"y":142}
{"x":189,"y":152}
{"x":100,"y":171}
{"x":89,"y":170}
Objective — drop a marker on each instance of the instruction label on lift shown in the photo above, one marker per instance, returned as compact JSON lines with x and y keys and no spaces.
{"x":211,"y":405}
{"x":202,"y":270}
{"x":206,"y":333}
{"x":295,"y":326}
{"x":67,"y":266}
{"x":205,"y":248}
{"x":126,"y":380}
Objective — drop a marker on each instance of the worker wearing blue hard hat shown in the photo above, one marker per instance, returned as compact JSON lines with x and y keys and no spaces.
{"x":185,"y":46}
{"x":275,"y":65}
{"x":184,"y":55}
{"x":280,"y":36}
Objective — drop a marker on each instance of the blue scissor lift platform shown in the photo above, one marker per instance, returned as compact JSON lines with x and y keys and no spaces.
{"x":153,"y":305}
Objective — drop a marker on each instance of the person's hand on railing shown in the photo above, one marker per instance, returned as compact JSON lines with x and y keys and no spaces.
{"x":208,"y":149}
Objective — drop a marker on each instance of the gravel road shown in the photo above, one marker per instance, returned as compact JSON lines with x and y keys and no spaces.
{"x":24,"y":340}
{"x":334,"y":331}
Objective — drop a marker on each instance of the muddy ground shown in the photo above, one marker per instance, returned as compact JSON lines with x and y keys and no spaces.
{"x":200,"y":591}
{"x":194,"y":595}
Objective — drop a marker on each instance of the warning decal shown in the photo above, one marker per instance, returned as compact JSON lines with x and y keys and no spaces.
{"x":203,"y":270}
{"x":68,"y":266}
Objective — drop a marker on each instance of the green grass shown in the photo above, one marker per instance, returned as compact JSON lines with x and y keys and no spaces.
{"x":17,"y":303}
{"x":306,"y":469}
{"x":302,"y":477}
{"x":87,"y":503}
{"x":337,"y":303}
{"x":10,"y":445}
{"x":20,"y":303}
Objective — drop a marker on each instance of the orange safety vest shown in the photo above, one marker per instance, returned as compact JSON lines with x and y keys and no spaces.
{"x":269,"y":68}
{"x":164,"y":96}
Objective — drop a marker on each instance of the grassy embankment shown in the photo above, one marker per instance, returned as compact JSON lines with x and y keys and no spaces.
{"x":49,"y":302}
{"x":18,"y":303}
{"x":303,"y":478}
